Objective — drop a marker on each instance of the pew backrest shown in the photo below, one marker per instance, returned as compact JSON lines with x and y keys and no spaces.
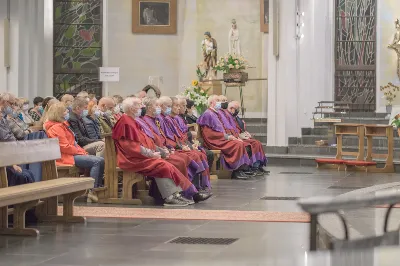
{"x":46,"y":151}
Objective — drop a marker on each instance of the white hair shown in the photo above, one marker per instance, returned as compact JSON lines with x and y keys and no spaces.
{"x":128,"y":103}
{"x":233,"y":104}
{"x":6,"y":96}
{"x":83,"y":94}
{"x":211,"y":99}
{"x":165,"y":99}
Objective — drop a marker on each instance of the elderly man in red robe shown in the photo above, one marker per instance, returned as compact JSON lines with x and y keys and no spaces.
{"x":238,"y":126}
{"x":235,"y":156}
{"x":135,"y":152}
{"x":179,"y":159}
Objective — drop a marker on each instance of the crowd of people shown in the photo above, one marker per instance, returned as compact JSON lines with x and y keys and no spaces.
{"x":153,"y":137}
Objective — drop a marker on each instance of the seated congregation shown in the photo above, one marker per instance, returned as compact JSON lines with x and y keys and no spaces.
{"x":153,"y":137}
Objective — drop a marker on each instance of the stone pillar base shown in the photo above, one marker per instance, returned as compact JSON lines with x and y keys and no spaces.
{"x":214,"y":87}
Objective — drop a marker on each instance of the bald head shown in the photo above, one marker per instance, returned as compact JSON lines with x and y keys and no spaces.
{"x":67,"y":100}
{"x":106,"y":104}
{"x":141,"y":94}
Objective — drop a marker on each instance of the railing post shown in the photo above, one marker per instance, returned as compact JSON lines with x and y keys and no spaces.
{"x":313,"y":232}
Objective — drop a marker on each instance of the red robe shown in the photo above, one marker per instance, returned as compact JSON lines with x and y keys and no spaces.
{"x":128,"y":138}
{"x":213,"y":133}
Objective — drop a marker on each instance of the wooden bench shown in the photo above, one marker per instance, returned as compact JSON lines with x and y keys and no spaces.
{"x":361,"y":163}
{"x":344,"y":130}
{"x":42,"y":194}
{"x":110,"y":193}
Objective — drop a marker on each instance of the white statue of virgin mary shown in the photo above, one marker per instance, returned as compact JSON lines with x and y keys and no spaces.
{"x":234,"y":42}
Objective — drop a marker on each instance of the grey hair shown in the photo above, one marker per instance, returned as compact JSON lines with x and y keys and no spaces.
{"x":83,"y":94}
{"x":211,"y":99}
{"x":148,"y":101}
{"x":6,"y":96}
{"x":165,"y":99}
{"x":79,"y":102}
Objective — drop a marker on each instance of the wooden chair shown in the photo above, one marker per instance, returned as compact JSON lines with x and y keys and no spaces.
{"x":216,"y":172}
{"x":42,"y":194}
{"x":110,"y":192}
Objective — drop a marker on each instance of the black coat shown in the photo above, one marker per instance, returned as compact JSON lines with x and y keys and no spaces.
{"x":80,"y":130}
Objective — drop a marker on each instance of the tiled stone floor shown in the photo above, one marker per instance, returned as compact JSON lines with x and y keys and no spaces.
{"x":143,"y":242}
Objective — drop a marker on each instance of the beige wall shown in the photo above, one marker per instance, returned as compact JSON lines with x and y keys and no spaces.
{"x":174,"y":57}
{"x":386,"y":58}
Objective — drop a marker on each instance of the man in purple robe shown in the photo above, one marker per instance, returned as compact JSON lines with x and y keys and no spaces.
{"x":234,"y":154}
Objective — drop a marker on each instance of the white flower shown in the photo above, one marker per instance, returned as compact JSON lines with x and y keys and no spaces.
{"x":230,"y":66}
{"x":237,"y":66}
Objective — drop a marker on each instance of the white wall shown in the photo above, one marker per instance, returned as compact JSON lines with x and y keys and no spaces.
{"x":174,"y":57}
{"x":303,"y":73}
{"x":140,"y":55}
{"x":31,"y":53}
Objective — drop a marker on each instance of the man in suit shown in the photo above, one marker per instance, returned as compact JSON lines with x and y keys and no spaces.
{"x":78,"y":112}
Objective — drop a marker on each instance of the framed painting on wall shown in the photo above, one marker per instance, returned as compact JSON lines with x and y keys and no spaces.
{"x":264,"y":16}
{"x":154,"y":16}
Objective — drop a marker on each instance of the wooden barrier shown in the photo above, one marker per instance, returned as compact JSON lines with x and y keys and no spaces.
{"x":42,"y":194}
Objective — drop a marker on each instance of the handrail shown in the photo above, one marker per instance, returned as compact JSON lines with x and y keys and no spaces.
{"x":319,"y":205}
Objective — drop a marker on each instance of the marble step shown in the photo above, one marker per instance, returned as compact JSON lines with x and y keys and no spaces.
{"x":347,"y":140}
{"x":262,"y":137}
{"x":256,"y":127}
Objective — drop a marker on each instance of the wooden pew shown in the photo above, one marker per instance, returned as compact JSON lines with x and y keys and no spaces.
{"x":110,"y":192}
{"x":42,"y":194}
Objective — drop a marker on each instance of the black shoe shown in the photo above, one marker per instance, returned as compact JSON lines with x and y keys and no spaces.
{"x":250,"y":173}
{"x":257,"y":172}
{"x":240,"y":175}
{"x":201,"y":197}
{"x":261,"y":169}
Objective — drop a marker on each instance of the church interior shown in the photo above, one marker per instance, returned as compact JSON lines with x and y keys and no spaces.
{"x":199,"y":132}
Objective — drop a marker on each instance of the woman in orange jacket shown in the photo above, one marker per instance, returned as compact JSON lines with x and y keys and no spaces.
{"x":71,"y":153}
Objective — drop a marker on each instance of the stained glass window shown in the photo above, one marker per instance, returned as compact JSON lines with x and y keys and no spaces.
{"x":77,"y":46}
{"x":355,"y":55}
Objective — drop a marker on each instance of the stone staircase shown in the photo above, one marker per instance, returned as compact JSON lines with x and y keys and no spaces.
{"x":303,"y":150}
{"x":257,"y":127}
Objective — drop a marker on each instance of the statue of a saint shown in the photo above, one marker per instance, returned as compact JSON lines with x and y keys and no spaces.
{"x":396,"y":39}
{"x":209,"y":48}
{"x":395,"y":45}
{"x":234,"y":42}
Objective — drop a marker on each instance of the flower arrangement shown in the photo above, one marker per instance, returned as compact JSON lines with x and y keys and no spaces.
{"x":231,"y":61}
{"x":198,"y":95}
{"x":389,"y":92}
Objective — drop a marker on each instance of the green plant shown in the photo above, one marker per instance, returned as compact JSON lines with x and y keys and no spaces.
{"x":231,"y":61}
{"x":200,"y":74}
{"x":198,"y":95}
{"x":396,"y":121}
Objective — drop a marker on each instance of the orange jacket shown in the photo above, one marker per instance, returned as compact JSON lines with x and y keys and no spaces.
{"x":66,"y":139}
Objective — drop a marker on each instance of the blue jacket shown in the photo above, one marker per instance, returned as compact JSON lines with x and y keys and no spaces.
{"x":92,"y":127}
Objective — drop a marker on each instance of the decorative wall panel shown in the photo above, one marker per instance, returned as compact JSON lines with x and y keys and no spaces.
{"x":78,"y":29}
{"x":355,"y":55}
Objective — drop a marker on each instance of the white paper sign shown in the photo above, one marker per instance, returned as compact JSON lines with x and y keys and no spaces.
{"x":109,"y":74}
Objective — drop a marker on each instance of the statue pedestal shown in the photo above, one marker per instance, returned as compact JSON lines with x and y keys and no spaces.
{"x":213,"y":87}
